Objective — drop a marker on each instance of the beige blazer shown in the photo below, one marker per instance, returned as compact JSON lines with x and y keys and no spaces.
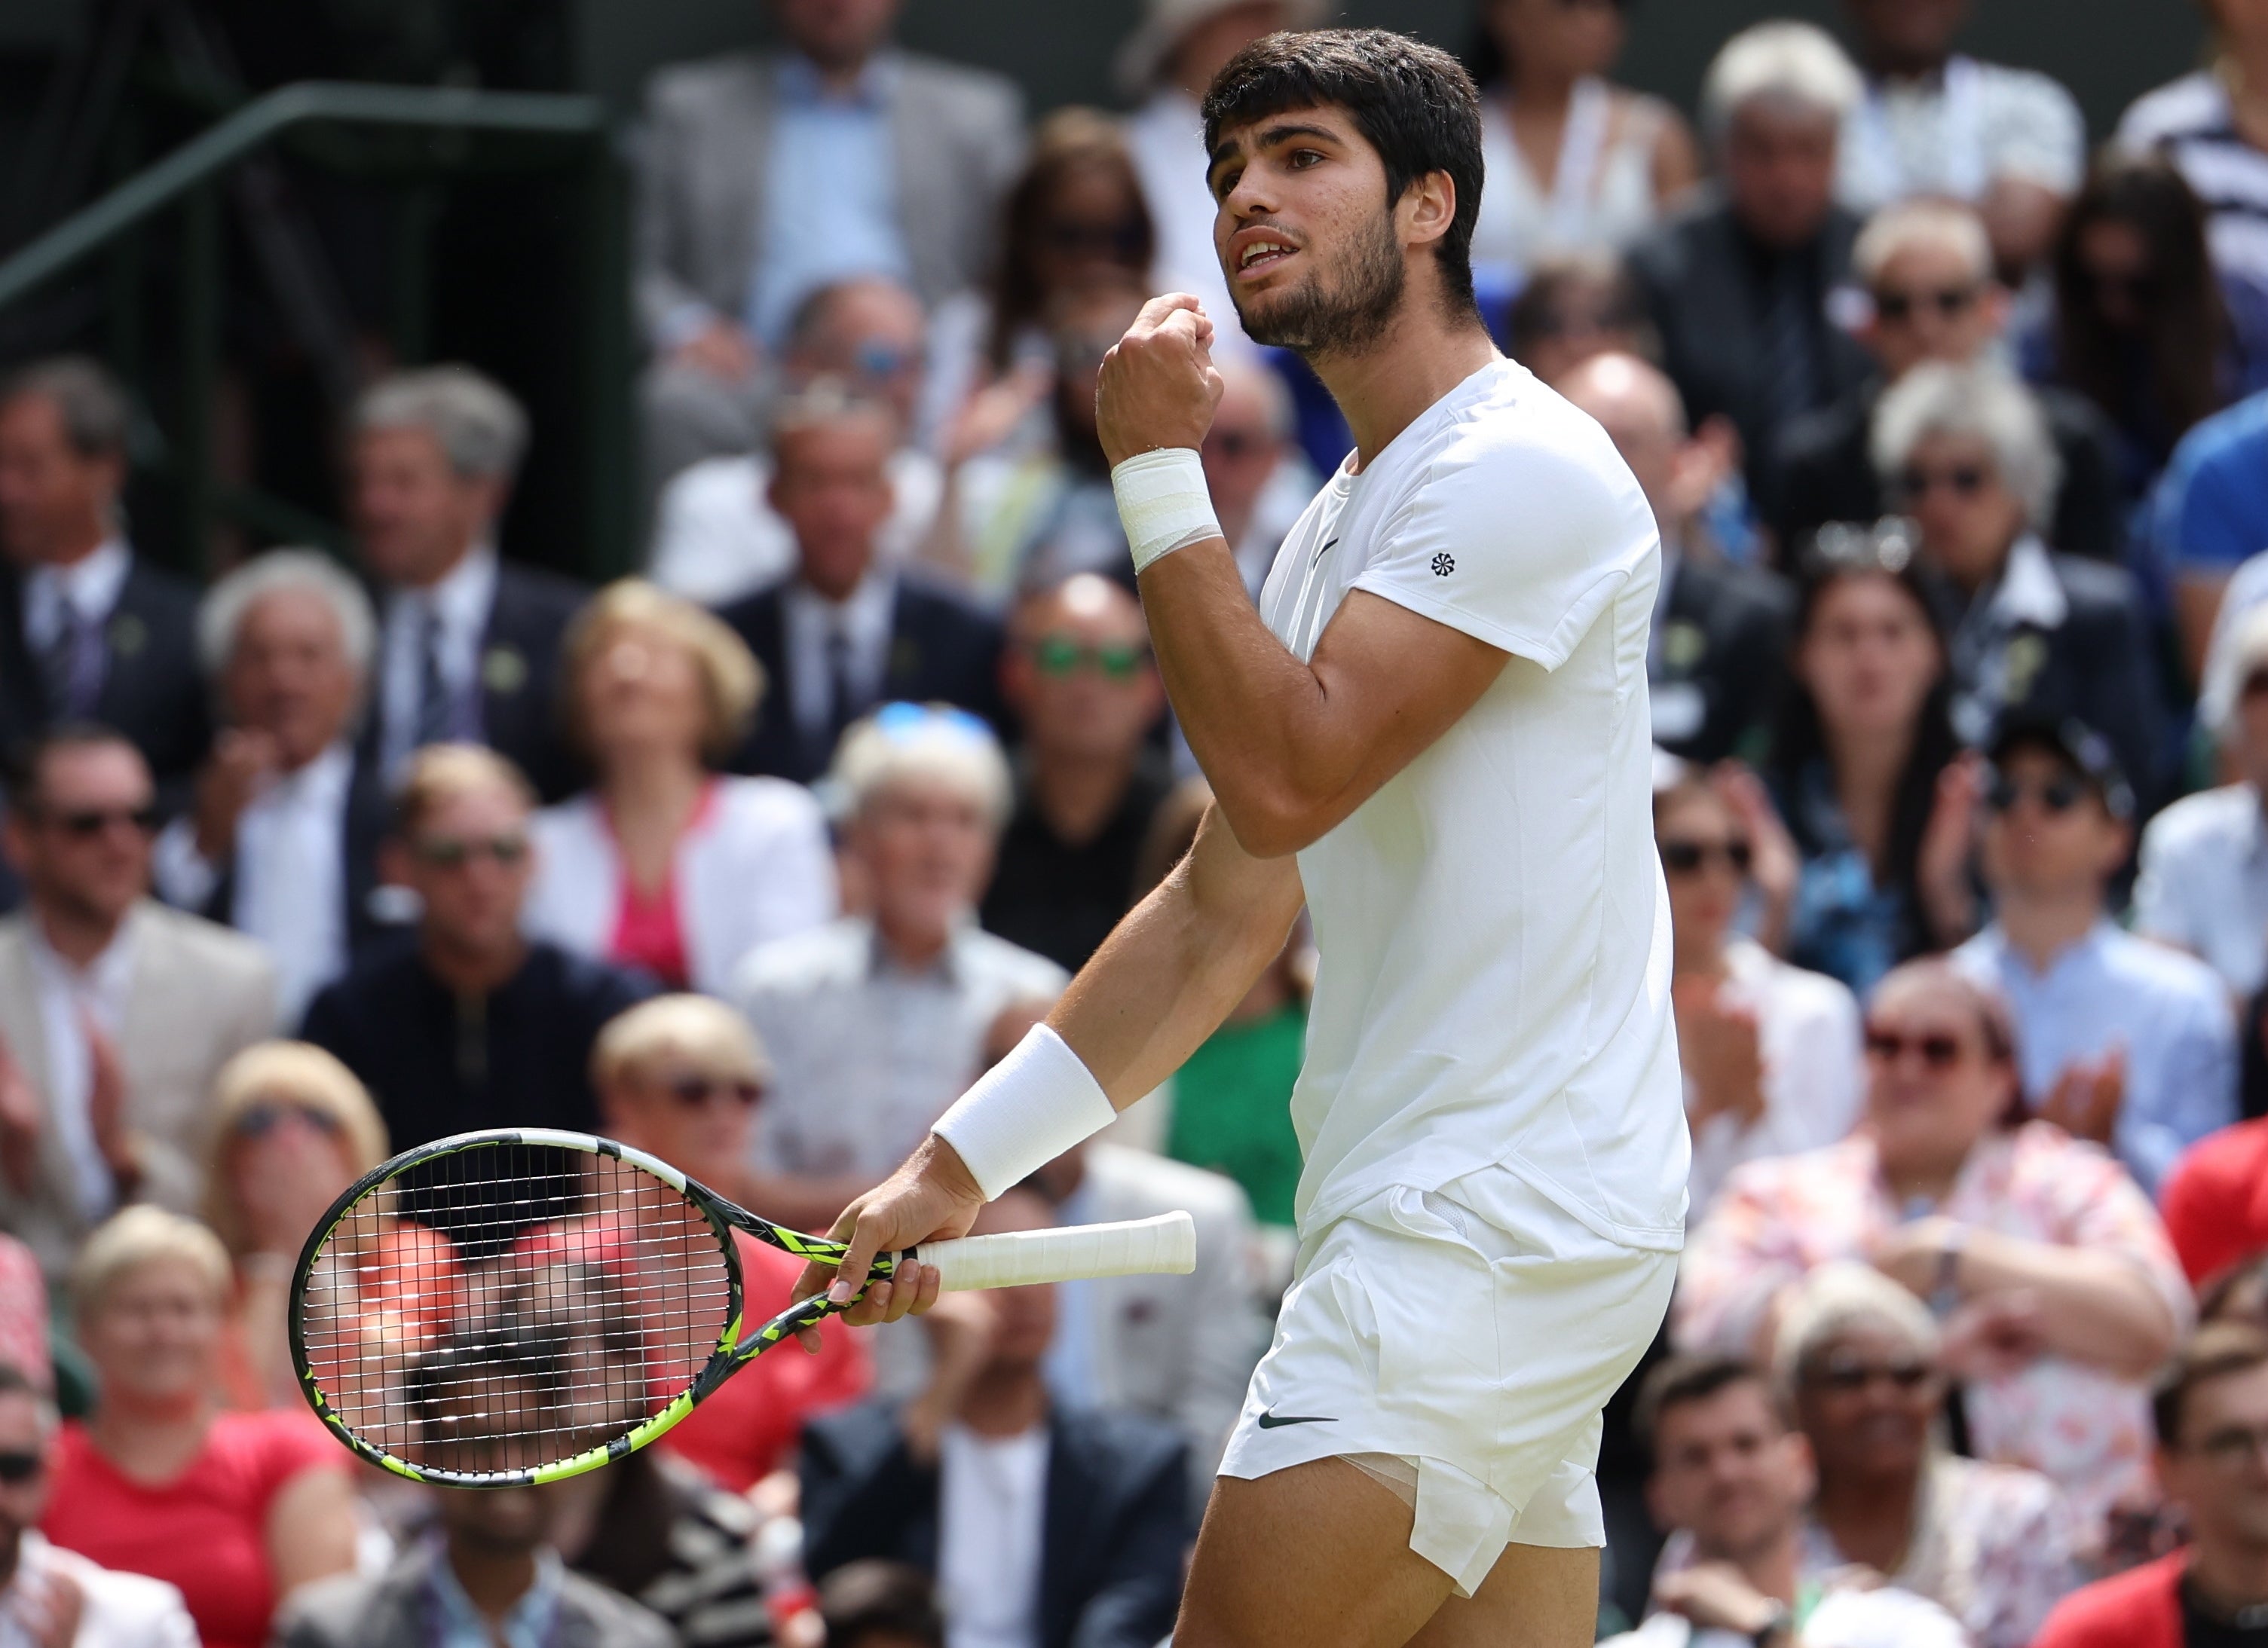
{"x":199,"y":994}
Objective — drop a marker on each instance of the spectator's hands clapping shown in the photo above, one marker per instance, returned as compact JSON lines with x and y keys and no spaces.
{"x":105,"y":1108}
{"x":1157,"y":387}
{"x":2086,"y":1096}
{"x":1719,"y":1045}
{"x":20,"y":1126}
{"x":721,"y":349}
{"x":1716,"y":1596}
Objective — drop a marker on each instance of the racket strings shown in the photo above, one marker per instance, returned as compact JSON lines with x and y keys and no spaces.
{"x":512,"y":1306}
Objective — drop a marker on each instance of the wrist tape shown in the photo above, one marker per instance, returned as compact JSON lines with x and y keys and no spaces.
{"x":1163,"y":503}
{"x":1026,"y":1111}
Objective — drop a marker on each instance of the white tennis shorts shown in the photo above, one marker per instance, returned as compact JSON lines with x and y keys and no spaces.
{"x":1475,"y":1353}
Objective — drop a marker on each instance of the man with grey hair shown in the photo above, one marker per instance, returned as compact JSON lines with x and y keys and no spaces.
{"x":88,"y":629}
{"x":468,"y":644}
{"x":2035,"y":633}
{"x":283,"y":842}
{"x":1745,"y":286}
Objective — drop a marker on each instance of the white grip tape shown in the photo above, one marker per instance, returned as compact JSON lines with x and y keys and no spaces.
{"x":1163,"y":503}
{"x":1163,"y":1246}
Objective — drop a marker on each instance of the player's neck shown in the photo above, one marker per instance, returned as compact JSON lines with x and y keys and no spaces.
{"x":1422,"y":355}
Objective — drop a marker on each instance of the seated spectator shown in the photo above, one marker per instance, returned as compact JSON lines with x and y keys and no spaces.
{"x":282,"y":843}
{"x":875,"y":1022}
{"x":2203,"y":880}
{"x":53,"y":1598}
{"x":118,"y":1009}
{"x":681,"y":1078}
{"x":468,"y":643}
{"x":1575,"y":306}
{"x":1076,"y":215}
{"x":237,"y":1510}
{"x":2119,"y":1040}
{"x":1040,"y":1522}
{"x":664,"y":865}
{"x":850,"y":631}
{"x":88,"y":629}
{"x":1013,"y":522}
{"x":764,"y":177}
{"x":1260,"y":484}
{"x":1862,"y":765}
{"x":2215,"y":1201}
{"x":2056,"y":1275}
{"x":2211,"y":1414}
{"x":2207,"y":522}
{"x":1574,"y":162}
{"x":2010,"y":141}
{"x":654,"y":1528}
{"x":291,"y":1130}
{"x":1770,"y":1052}
{"x":23,"y":1307}
{"x":494,"y":1576}
{"x":1927,"y":268}
{"x":876,"y":1604}
{"x":2142,"y":325}
{"x":472,"y":1024}
{"x":1078,"y":675}
{"x":1718,"y":668}
{"x":2207,"y":124}
{"x":2034,"y":633}
{"x":1738,"y":283}
{"x":716,"y":536}
{"x":1859,"y":1360}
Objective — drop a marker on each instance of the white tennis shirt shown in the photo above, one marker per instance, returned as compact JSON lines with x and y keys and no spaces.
{"x":1493,"y":928}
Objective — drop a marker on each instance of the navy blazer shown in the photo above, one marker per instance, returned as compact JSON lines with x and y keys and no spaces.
{"x":1116,"y":1516}
{"x":944,"y":648}
{"x":152,"y":689}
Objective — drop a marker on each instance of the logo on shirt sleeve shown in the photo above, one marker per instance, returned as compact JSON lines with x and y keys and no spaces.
{"x":1444,"y":564}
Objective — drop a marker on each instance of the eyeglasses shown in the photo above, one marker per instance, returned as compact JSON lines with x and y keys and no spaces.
{"x":692,"y":1092}
{"x":1898,"y":307}
{"x":454,"y":852}
{"x":2233,"y":1446}
{"x":86,"y":823}
{"x":1963,"y":481}
{"x":1846,"y":1375}
{"x":1939,"y":1050}
{"x":1059,"y":655}
{"x":1120,"y":241}
{"x":15,"y":1469}
{"x":1689,"y":858}
{"x":255,"y":1121}
{"x":2056,"y":797}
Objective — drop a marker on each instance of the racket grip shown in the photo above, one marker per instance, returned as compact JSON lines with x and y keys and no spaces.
{"x":1163,"y":1246}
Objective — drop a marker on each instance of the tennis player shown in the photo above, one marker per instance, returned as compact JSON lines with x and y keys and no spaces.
{"x":1434,"y":734}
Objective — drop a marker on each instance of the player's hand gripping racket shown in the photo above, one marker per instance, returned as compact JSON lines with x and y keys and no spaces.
{"x":506,"y":1309}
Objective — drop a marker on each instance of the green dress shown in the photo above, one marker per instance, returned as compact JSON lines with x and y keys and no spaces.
{"x":1233,"y":1109}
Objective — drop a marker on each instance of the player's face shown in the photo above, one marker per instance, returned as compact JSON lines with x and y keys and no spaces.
{"x":1310,"y":245}
{"x":1729,"y":1470}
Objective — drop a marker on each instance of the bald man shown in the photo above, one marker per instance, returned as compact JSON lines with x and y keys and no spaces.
{"x":1079,"y":674}
{"x":1717,"y":661}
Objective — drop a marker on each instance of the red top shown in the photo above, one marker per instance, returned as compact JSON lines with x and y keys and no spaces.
{"x":2139,"y":1609}
{"x":206,"y":1530}
{"x":2215,"y":1201}
{"x":751,"y":1426}
{"x":648,"y":932}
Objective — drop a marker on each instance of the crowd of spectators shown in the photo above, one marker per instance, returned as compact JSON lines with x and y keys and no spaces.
{"x":1955,"y":429}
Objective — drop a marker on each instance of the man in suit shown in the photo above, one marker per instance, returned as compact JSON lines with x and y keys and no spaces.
{"x":1042,"y":1523}
{"x":1718,"y":663}
{"x":89,"y":631}
{"x":468,"y":643}
{"x":282,"y":842}
{"x":118,"y":1011}
{"x":763,"y":177}
{"x":1927,"y":266}
{"x":1743,"y":286}
{"x":848,"y":632}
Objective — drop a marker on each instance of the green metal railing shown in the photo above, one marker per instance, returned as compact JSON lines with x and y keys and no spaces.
{"x":189,"y":179}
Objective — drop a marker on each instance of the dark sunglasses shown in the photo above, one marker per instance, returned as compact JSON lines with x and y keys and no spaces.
{"x":1119,"y":241}
{"x":15,"y":1469}
{"x":1937,"y":1051}
{"x":2055,"y":797}
{"x":692,"y":1092}
{"x":86,"y":823}
{"x":452,"y":852}
{"x":258,"y":1120}
{"x":1950,"y":303}
{"x":1689,"y":858}
{"x":1846,"y":1374}
{"x":1963,"y":481}
{"x":1059,"y":655}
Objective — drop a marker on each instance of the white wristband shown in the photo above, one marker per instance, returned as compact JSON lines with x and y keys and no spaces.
{"x":1026,"y":1111}
{"x":1163,"y":503}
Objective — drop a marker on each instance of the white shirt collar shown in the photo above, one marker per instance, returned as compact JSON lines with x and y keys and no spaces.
{"x":2030,"y":592}
{"x":1996,"y":943}
{"x":463,"y":595}
{"x":90,"y":585}
{"x":106,"y":979}
{"x":863,"y":614}
{"x":320,"y":783}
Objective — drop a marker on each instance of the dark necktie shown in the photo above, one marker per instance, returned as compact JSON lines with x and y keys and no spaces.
{"x":1791,"y":361}
{"x":70,"y":669}
{"x":437,"y":721}
{"x":843,"y":705}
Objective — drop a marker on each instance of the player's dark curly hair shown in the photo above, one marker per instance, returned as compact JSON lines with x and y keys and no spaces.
{"x":1412,"y":103}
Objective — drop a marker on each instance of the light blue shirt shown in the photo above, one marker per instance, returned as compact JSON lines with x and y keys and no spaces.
{"x":2169,"y":1012}
{"x":830,"y":192}
{"x":458,"y":1623}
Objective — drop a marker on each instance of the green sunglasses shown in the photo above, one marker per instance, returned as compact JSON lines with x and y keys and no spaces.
{"x":1060,"y":655}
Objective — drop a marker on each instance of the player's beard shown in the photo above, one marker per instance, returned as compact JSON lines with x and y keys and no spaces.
{"x":1346,"y":316}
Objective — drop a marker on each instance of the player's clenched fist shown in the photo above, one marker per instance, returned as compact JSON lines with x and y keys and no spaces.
{"x":1158,"y":386}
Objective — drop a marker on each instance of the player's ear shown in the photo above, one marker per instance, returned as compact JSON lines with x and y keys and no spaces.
{"x":1428,"y":207}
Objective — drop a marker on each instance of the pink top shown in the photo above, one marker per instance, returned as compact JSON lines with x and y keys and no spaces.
{"x":23,"y":1313}
{"x":648,"y":932}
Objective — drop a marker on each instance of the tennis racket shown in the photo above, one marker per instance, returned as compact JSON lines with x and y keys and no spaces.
{"x":508,"y":1308}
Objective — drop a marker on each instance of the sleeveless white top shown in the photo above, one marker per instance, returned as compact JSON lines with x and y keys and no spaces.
{"x":1602,"y":197}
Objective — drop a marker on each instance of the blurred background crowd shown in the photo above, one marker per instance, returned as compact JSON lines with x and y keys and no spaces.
{"x":513,"y":617}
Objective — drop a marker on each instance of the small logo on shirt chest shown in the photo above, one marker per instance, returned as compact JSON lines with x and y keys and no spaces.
{"x":1444,"y":564}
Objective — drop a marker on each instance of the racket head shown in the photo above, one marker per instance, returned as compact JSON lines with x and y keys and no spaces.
{"x":514,"y":1307}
